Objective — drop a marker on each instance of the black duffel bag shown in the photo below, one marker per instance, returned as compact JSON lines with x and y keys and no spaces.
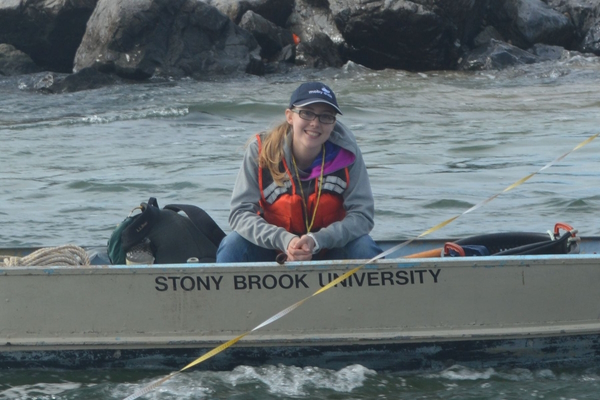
{"x":170,"y":236}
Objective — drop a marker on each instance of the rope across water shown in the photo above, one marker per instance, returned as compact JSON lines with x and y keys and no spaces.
{"x":62,"y":255}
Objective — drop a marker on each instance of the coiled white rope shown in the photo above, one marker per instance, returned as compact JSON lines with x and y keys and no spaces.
{"x":50,"y":256}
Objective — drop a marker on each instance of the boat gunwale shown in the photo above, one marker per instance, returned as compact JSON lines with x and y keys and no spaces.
{"x":401,"y":262}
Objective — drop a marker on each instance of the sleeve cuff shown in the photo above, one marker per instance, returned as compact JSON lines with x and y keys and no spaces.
{"x":317,"y":248}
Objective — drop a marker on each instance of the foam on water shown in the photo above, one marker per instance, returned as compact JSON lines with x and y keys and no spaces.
{"x":458,"y":372}
{"x":253,"y":382}
{"x":295,"y":381}
{"x":145,"y":114}
{"x":38,"y":391}
{"x":287,"y":382}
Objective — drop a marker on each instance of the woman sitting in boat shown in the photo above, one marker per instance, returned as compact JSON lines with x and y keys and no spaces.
{"x":303,"y":189}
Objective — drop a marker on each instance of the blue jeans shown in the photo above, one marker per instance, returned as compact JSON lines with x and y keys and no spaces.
{"x":234,"y":248}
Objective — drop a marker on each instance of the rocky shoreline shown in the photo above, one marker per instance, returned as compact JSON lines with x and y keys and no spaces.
{"x":100,"y":42}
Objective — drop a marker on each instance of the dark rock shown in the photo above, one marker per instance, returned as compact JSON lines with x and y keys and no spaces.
{"x":15,"y":62}
{"x":269,"y":36}
{"x":57,"y":82}
{"x":319,"y":52}
{"x":320,"y":40}
{"x":309,"y":18}
{"x":233,"y":9}
{"x":283,"y":62}
{"x":465,"y":15}
{"x":143,"y":38}
{"x":177,"y":38}
{"x":496,"y":55}
{"x":49,"y":31}
{"x":255,"y":66}
{"x":548,"y":53}
{"x":485,"y":36}
{"x":399,"y":34}
{"x":276,"y":11}
{"x":527,"y":22}
{"x":85,"y":79}
{"x":591,"y":41}
{"x":40,"y":81}
{"x":287,"y":54}
{"x":585,"y":17}
{"x":583,"y":14}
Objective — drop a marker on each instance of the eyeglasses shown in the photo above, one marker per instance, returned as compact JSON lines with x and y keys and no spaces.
{"x":310,"y":116}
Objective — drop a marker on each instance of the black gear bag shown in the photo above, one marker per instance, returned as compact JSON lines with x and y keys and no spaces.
{"x":516,"y":243}
{"x":172,"y":237}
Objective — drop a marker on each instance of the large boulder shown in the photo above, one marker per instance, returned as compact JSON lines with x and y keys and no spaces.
{"x":276,"y":11}
{"x":546,"y":52}
{"x":321,"y":42}
{"x":15,"y":62}
{"x":396,"y":34}
{"x":143,"y":38}
{"x":591,"y":41}
{"x":49,"y":31}
{"x":465,"y":15}
{"x":585,"y":17}
{"x":271,"y":38}
{"x":527,"y":22}
{"x":319,"y":51}
{"x":310,"y":17}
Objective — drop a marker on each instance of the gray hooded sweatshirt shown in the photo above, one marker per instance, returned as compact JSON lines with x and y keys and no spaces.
{"x":244,"y":215}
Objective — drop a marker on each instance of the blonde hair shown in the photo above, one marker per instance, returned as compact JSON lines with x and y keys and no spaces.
{"x":272,"y":152}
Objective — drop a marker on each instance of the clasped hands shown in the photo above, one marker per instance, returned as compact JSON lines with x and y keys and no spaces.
{"x":300,"y":248}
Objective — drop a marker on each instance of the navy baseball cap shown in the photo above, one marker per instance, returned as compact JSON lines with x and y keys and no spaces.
{"x":313,"y":92}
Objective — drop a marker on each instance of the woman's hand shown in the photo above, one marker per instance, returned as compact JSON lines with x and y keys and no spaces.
{"x":300,"y":249}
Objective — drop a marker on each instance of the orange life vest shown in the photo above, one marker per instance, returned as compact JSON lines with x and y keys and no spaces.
{"x":282,"y":206}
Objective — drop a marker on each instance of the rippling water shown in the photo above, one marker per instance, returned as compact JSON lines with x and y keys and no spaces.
{"x":74,"y":165}
{"x":279,"y":382}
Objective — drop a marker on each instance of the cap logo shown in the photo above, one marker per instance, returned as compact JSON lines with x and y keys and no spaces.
{"x":323,"y":91}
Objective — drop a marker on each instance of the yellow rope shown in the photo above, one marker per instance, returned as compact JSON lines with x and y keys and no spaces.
{"x":62,"y":255}
{"x":320,"y":185}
